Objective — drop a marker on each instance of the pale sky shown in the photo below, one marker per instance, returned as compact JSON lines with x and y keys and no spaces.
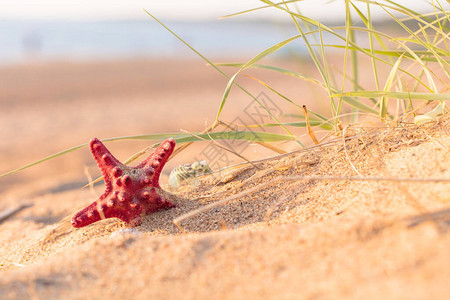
{"x":172,"y":9}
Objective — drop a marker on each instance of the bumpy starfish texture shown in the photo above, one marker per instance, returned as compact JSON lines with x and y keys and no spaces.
{"x":131,"y":192}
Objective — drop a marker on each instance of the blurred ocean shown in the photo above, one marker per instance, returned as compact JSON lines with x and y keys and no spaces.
{"x":25,"y":41}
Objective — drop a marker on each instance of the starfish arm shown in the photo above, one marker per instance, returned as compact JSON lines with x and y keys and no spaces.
{"x":158,"y":158}
{"x":108,"y":164}
{"x":98,"y":210}
{"x":86,"y":216}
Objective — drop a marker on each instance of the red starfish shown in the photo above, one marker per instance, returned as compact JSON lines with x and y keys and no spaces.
{"x":130,"y":191}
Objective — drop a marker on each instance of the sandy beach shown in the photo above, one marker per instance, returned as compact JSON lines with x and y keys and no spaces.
{"x":297,"y":239}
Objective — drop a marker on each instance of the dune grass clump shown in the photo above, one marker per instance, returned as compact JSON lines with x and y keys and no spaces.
{"x":418,"y":55}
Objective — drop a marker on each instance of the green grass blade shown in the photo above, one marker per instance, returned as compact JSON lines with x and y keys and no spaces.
{"x":404,"y":8}
{"x":251,"y":62}
{"x":395,"y":53}
{"x":275,"y":91}
{"x":328,"y":87}
{"x":279,"y":70}
{"x":43,"y":160}
{"x":187,"y":44}
{"x":237,"y":135}
{"x":179,"y":138}
{"x":361,"y":15}
{"x":384,"y":101}
{"x":325,"y":125}
{"x":302,"y":117}
{"x":354,"y":57}
{"x":301,"y":17}
{"x":424,"y":69}
{"x":354,"y":102}
{"x":269,"y":51}
{"x":255,"y":9}
{"x":397,"y":95}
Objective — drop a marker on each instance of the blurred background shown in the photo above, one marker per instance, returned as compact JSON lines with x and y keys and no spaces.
{"x":86,"y":30}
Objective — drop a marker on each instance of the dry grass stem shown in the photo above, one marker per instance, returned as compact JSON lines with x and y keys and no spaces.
{"x":308,"y":126}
